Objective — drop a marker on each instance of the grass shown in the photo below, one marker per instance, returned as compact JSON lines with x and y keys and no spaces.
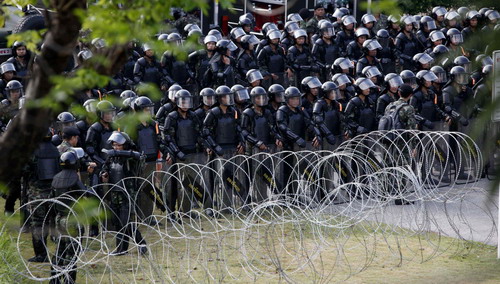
{"x":293,"y":251}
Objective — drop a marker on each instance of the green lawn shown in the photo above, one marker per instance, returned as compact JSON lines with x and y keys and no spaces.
{"x":305,"y":253}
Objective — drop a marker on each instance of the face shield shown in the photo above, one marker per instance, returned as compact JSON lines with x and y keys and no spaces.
{"x":279,"y":97}
{"x":437,"y":35}
{"x":366,"y":84}
{"x":149,"y":111}
{"x":254,"y":76}
{"x":261,"y":100}
{"x":384,"y":41}
{"x":467,"y":67}
{"x":426,"y":59}
{"x":78,"y":152}
{"x":231,"y":46}
{"x":333,"y":95}
{"x":373,"y":45}
{"x":185,"y":102}
{"x":442,"y":77}
{"x":7,"y":67}
{"x":109,"y":116}
{"x":241,"y":95}
{"x":372,"y":72}
{"x":295,"y":18}
{"x":91,"y":107}
{"x":118,"y":138}
{"x":269,"y":27}
{"x":395,"y":82}
{"x":22,"y":102}
{"x":328,"y":32}
{"x":171,"y":94}
{"x":209,"y":100}
{"x":456,"y":39}
{"x":314,"y":83}
{"x":430,"y":77}
{"x":431,"y":25}
{"x":253,"y":40}
{"x":462,"y":79}
{"x":275,"y":34}
{"x":15,"y":94}
{"x":411,"y":81}
{"x":294,"y":102}
{"x":486,"y":61}
{"x":342,"y":80}
{"x":292,"y":27}
{"x":346,"y":64}
{"x":227,"y":100}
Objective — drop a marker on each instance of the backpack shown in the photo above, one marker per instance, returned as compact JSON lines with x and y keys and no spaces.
{"x":391,"y":120}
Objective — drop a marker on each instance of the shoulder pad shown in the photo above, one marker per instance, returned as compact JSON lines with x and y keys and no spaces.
{"x":400,"y":35}
{"x":97,"y":126}
{"x":249,"y":111}
{"x":356,"y":101}
{"x":319,"y":41}
{"x":173,"y":114}
{"x":5,"y":102}
{"x":215,"y":111}
{"x":80,"y":125}
{"x":141,"y":61}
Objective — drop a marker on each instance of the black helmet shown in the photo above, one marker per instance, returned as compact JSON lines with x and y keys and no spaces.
{"x":362,"y":84}
{"x":428,"y":23}
{"x":254,"y":75}
{"x":440,"y":49}
{"x":291,"y":27}
{"x":368,"y":18}
{"x":104,"y":107}
{"x":362,"y":32}
{"x":330,"y":90}
{"x":383,"y":37}
{"x":341,"y":79}
{"x":393,"y":80}
{"x":341,"y":64}
{"x":440,"y":74}
{"x":118,"y":137}
{"x":184,"y":99}
{"x":249,"y":40}
{"x":172,"y":91}
{"x":90,"y":105}
{"x":69,"y":160}
{"x":215,"y":33}
{"x":292,"y":92}
{"x":487,"y":69}
{"x":454,"y":36}
{"x":326,"y":29}
{"x":127,"y":94}
{"x":464,"y":62}
{"x":277,"y":93}
{"x":163,"y":37}
{"x":426,"y":75}
{"x":299,"y":33}
{"x":484,"y":60}
{"x":423,"y":58}
{"x":371,"y":44}
{"x":224,"y":45}
{"x":244,"y":21}
{"x":437,"y":12}
{"x":436,"y":35}
{"x":208,"y":96}
{"x":224,"y":92}
{"x":459,"y":75}
{"x":141,"y":103}
{"x":240,"y":93}
{"x":7,"y":67}
{"x":310,"y":82}
{"x":268,"y":26}
{"x":259,"y":96}
{"x":66,"y":118}
{"x":174,"y":38}
{"x":14,"y":85}
{"x":347,"y":20}
{"x":237,"y":32}
{"x":409,"y":78}
{"x":17,"y":44}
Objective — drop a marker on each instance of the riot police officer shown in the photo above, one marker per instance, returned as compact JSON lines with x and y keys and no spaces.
{"x":346,"y":92}
{"x":370,"y":50}
{"x":360,"y":115}
{"x":354,"y":48}
{"x":222,"y":68}
{"x":10,"y":106}
{"x":7,"y":73}
{"x":325,"y":50}
{"x":299,"y":59}
{"x":168,"y":104}
{"x":392,"y":83}
{"x":222,"y":133}
{"x":208,"y":100}
{"x":40,"y":172}
{"x":248,"y":59}
{"x":272,"y":60}
{"x":407,"y":43}
{"x":148,"y":70}
{"x":182,"y":133}
{"x":346,"y":35}
{"x":121,"y":165}
{"x":199,"y":61}
{"x":20,"y":59}
{"x":178,"y":70}
{"x":311,"y":90}
{"x":326,"y":115}
{"x":276,"y":95}
{"x":258,"y":130}
{"x":388,"y":55}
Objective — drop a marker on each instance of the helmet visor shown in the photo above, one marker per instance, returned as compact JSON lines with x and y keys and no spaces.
{"x":209,"y":100}
{"x":260,"y":100}
{"x":462,"y":79}
{"x":254,"y":76}
{"x":314,"y":83}
{"x":431,"y":77}
{"x":242,"y":95}
{"x":342,"y":80}
{"x":456,"y":39}
{"x":185,"y":102}
{"x":372,"y":72}
{"x":227,"y":100}
{"x":366,"y":84}
{"x":292,"y":27}
{"x":396,"y":82}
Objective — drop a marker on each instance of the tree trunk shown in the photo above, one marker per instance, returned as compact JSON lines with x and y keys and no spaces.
{"x":31,"y":124}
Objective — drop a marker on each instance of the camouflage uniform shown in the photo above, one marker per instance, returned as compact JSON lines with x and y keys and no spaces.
{"x":312,"y":26}
{"x":381,"y":23}
{"x":406,"y":114}
{"x":64,"y":147}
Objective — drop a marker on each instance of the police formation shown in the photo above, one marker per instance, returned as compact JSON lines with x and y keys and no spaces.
{"x":317,"y":82}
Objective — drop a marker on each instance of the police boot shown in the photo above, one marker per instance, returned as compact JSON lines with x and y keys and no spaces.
{"x":40,"y":252}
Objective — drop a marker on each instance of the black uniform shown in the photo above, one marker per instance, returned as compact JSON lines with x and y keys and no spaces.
{"x":301,"y":63}
{"x":325,"y":54}
{"x":407,"y":47}
{"x":360,"y":116}
{"x":272,"y":60}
